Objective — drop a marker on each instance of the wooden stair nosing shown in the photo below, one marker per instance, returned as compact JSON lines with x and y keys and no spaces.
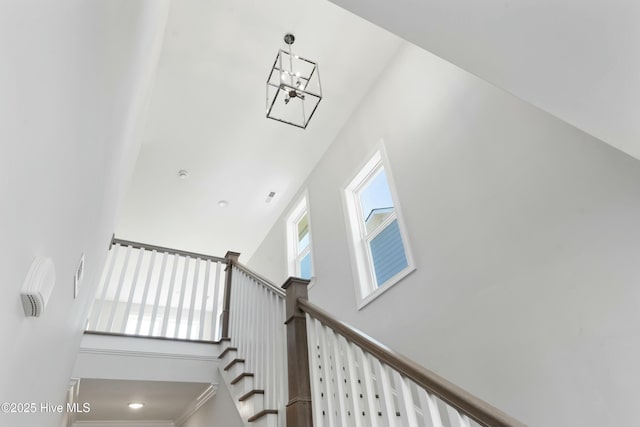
{"x":249,"y":394}
{"x":226,"y":350}
{"x":233,"y":362}
{"x":262,"y":413}
{"x":241,"y":376}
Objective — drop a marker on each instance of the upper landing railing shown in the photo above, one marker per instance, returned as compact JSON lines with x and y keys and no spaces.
{"x":153,"y":291}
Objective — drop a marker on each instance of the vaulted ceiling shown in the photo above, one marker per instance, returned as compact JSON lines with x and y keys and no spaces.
{"x":207,"y":116}
{"x":576,"y":60}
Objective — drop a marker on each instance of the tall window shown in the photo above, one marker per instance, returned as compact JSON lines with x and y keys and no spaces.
{"x":379,"y":244}
{"x":299,"y":241}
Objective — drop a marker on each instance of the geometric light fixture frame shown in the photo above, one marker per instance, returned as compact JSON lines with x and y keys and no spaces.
{"x":294,"y":90}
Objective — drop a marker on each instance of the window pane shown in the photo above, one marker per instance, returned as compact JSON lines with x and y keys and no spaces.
{"x":305,"y":267}
{"x":376,"y":202}
{"x":387,"y":253}
{"x":303,"y":233}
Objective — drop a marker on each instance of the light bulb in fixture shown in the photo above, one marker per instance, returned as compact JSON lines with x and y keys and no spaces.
{"x":183,"y":174}
{"x":223,"y":203}
{"x":136,"y":405}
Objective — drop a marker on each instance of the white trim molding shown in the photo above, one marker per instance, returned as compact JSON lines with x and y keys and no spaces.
{"x":125,"y":423}
{"x":196,"y":404}
{"x":147,"y":354}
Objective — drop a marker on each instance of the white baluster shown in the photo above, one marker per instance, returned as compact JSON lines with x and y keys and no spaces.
{"x":244,"y":321}
{"x":262,"y":354}
{"x":386,"y":393}
{"x":116,"y":299}
{"x":315,"y":366}
{"x":251,"y":329}
{"x":405,"y":397}
{"x":132,"y":291}
{"x":233,"y":308}
{"x":105,"y":286}
{"x":354,"y":380}
{"x":167,"y":308}
{"x":217,"y":290}
{"x":456,"y":418}
{"x":145,"y":293}
{"x":329,"y":376}
{"x":183,"y":287}
{"x":271,"y":390}
{"x":192,"y":303}
{"x":430,"y":409}
{"x":369,"y":389}
{"x":203,"y":304}
{"x":156,"y":302}
{"x":343,"y":403}
{"x":282,"y":357}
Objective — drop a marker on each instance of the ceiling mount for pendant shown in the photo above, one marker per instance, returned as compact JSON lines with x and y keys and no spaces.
{"x":289,"y":38}
{"x":293,"y":87}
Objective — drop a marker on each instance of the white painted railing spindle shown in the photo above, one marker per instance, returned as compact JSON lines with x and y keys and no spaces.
{"x":159,"y":287}
{"x":181,"y":297}
{"x":99,"y":304}
{"x":116,"y":299}
{"x":123,"y":303}
{"x":203,"y":301}
{"x":218,"y":286}
{"x":145,"y":292}
{"x":132,"y":290}
{"x":194,"y":292}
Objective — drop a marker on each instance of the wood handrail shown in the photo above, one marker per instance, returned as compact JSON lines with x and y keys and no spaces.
{"x":460,"y":399}
{"x":138,"y":245}
{"x":260,"y":279}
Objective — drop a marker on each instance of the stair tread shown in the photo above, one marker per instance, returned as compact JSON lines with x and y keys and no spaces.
{"x":262,"y":413}
{"x":226,"y":350}
{"x":249,"y":394}
{"x":233,"y":362}
{"x":241,"y":376}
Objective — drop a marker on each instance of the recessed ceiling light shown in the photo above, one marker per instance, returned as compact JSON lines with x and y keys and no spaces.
{"x":136,"y":405}
{"x":183,"y":174}
{"x":223,"y":203}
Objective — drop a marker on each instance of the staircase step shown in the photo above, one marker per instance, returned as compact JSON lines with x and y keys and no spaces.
{"x":240,"y":377}
{"x":233,"y":362}
{"x":226,"y":350}
{"x":262,"y":413}
{"x":249,"y":394}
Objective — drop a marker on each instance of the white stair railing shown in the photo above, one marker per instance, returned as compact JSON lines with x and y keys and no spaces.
{"x":354,"y":381}
{"x":257,"y":331}
{"x":154,"y":291}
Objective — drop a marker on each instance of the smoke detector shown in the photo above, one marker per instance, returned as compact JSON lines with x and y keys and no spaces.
{"x":37,"y":286}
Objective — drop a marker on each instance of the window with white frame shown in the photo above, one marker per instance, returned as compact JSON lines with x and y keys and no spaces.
{"x":379,"y":243}
{"x":300,"y":263}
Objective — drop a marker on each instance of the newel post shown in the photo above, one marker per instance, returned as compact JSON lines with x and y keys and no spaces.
{"x":299,"y":405}
{"x":231,"y":257}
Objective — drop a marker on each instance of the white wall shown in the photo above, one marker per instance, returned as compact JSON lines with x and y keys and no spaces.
{"x":74,"y":83}
{"x":219,"y":411}
{"x":526,"y":240}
